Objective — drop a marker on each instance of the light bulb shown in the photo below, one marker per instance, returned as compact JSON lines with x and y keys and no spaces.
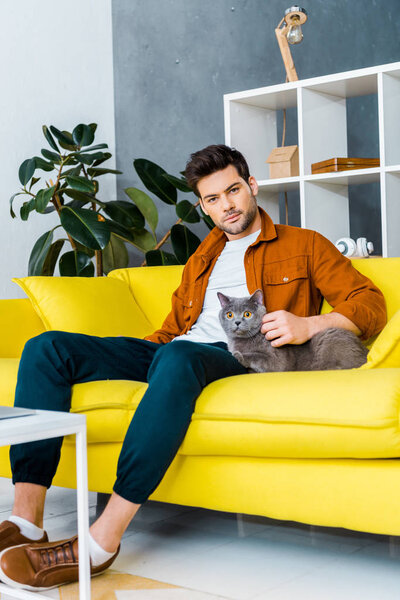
{"x":294,"y":35}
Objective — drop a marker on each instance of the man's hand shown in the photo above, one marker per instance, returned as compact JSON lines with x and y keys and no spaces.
{"x":282,"y":327}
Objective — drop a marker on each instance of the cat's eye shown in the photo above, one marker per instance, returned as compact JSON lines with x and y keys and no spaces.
{"x":247,"y":314}
{"x":229,"y":315}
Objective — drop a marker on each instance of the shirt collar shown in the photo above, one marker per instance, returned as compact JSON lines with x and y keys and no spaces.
{"x":215,"y":241}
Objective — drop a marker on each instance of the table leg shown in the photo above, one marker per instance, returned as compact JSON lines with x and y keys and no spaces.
{"x":83,"y":514}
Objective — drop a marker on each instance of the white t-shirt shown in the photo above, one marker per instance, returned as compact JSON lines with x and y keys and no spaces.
{"x":229,"y":277}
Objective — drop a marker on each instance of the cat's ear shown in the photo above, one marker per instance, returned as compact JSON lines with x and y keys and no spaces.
{"x":223,"y":299}
{"x":258,"y":297}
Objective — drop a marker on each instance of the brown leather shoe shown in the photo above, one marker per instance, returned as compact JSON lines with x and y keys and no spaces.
{"x":39,"y":567}
{"x":10,"y":535}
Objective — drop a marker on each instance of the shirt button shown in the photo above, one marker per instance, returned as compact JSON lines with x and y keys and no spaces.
{"x":285,"y":279}
{"x":190,"y":303}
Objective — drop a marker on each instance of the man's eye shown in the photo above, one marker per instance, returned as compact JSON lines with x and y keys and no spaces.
{"x":247,"y":314}
{"x":234,"y":190}
{"x":211,"y":200}
{"x":229,"y":315}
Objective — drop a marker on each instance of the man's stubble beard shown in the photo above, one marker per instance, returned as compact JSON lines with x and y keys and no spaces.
{"x":250,"y":215}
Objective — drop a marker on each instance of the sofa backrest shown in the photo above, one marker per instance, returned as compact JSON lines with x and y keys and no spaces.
{"x":152,"y":287}
{"x":385,"y":273}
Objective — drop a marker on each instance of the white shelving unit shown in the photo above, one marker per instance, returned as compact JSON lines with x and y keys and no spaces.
{"x":251,"y":126}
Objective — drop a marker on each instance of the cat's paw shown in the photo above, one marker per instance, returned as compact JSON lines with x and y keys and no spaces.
{"x":240,"y":358}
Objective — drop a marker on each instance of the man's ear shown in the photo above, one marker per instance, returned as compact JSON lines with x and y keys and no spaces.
{"x":253,"y":185}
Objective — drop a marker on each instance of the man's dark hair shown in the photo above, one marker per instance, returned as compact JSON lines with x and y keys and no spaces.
{"x":211,"y":159}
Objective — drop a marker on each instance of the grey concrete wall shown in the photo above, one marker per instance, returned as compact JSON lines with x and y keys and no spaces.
{"x":174,"y":60}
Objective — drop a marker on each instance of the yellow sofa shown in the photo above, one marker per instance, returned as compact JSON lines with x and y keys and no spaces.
{"x":319,"y":447}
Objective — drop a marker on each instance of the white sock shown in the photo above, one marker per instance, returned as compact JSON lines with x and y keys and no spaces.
{"x":27,"y":528}
{"x":98,"y":555}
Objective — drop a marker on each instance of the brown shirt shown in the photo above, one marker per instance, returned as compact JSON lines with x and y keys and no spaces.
{"x":295,"y":268}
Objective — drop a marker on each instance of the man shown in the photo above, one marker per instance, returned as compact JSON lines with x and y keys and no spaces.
{"x":294,"y":267}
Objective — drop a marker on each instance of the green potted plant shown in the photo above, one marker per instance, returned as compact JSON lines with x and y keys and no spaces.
{"x":96,"y":228}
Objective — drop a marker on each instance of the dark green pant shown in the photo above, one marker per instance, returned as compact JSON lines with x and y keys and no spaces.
{"x":176,"y":372}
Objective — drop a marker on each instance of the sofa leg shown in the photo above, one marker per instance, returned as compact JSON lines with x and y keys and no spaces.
{"x":102,"y":500}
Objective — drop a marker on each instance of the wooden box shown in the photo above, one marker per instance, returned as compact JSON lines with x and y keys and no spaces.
{"x":343,"y":164}
{"x":283,"y":162}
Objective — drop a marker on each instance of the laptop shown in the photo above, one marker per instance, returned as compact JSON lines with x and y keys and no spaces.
{"x":10,"y":412}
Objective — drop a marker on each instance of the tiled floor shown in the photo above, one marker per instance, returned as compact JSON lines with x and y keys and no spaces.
{"x":215,"y":555}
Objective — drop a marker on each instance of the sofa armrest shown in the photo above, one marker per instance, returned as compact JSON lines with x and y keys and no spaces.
{"x":18,"y":323}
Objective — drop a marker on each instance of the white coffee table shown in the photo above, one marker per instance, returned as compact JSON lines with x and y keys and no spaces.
{"x":45,"y":424}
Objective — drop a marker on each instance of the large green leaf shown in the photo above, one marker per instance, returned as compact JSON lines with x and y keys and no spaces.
{"x":144,"y":240}
{"x":50,"y":138}
{"x":96,"y":147}
{"x":63,"y":137}
{"x":153,"y":178}
{"x":146,"y":206}
{"x":52,"y":256}
{"x":180,"y":184}
{"x":73,"y":171}
{"x":26,"y":170}
{"x":83,"y":135}
{"x":84,"y":226}
{"x":88,"y":159}
{"x":39,"y":253}
{"x":27,"y":208}
{"x":82,"y":196}
{"x":96,"y":172}
{"x":125,"y":214}
{"x":84,"y":249}
{"x":155,"y":258}
{"x":43,"y":164}
{"x":184,"y":242}
{"x":187,"y":212}
{"x":51,"y":156}
{"x":107,"y":155}
{"x":70,"y":145}
{"x":12,"y":213}
{"x":81,"y":184}
{"x":121,"y":231}
{"x":76,"y":264}
{"x":115,"y":254}
{"x":43,"y":197}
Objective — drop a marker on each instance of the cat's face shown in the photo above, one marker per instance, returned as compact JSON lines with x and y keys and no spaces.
{"x":241,"y":317}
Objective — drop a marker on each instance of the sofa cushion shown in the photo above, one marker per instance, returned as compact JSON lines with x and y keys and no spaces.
{"x":385,"y":351}
{"x":325,"y":414}
{"x":152,"y":288}
{"x":330,"y":414}
{"x":93,"y":305}
{"x":109,"y":407}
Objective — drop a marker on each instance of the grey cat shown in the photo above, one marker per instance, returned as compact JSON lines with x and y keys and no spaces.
{"x":241,"y":319}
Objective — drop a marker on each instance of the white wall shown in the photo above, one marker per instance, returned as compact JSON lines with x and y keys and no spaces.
{"x":56,"y":68}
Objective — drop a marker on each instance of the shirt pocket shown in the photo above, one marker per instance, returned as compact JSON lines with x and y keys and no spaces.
{"x":285,"y":285}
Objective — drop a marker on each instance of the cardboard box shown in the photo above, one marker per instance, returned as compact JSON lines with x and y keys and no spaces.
{"x":283,"y":162}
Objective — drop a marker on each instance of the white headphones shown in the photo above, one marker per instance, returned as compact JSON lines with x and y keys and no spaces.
{"x":350,"y":248}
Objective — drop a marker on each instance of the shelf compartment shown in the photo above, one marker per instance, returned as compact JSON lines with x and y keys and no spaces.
{"x":285,"y":184}
{"x":391,"y":121}
{"x":392,"y":215}
{"x":353,"y":177}
{"x":325,"y":208}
